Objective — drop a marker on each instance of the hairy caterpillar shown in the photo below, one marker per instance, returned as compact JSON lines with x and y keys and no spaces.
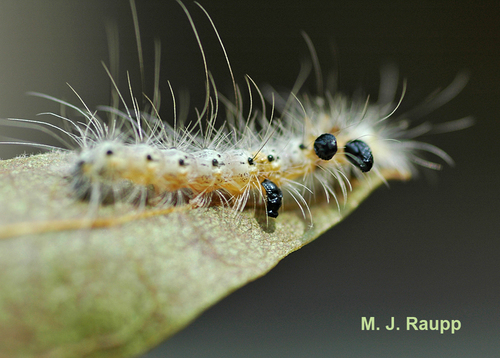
{"x":306,"y":148}
{"x":379,"y":236}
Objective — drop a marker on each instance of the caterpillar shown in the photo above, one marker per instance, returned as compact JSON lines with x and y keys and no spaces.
{"x":307,"y":148}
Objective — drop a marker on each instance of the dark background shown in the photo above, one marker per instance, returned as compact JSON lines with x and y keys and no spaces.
{"x":428,"y":248}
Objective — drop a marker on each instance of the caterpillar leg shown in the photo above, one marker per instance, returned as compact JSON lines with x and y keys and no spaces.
{"x":274,"y":198}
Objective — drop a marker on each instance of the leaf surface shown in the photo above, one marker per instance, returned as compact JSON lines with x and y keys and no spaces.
{"x":119,"y":281}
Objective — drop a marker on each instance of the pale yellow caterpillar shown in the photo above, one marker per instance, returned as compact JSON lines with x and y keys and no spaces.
{"x":275,"y":149}
{"x":302,"y":148}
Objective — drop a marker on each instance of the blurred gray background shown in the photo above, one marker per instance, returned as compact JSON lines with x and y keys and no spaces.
{"x":428,"y":248}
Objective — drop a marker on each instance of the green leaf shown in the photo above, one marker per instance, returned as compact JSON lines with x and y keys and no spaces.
{"x":119,"y":281}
